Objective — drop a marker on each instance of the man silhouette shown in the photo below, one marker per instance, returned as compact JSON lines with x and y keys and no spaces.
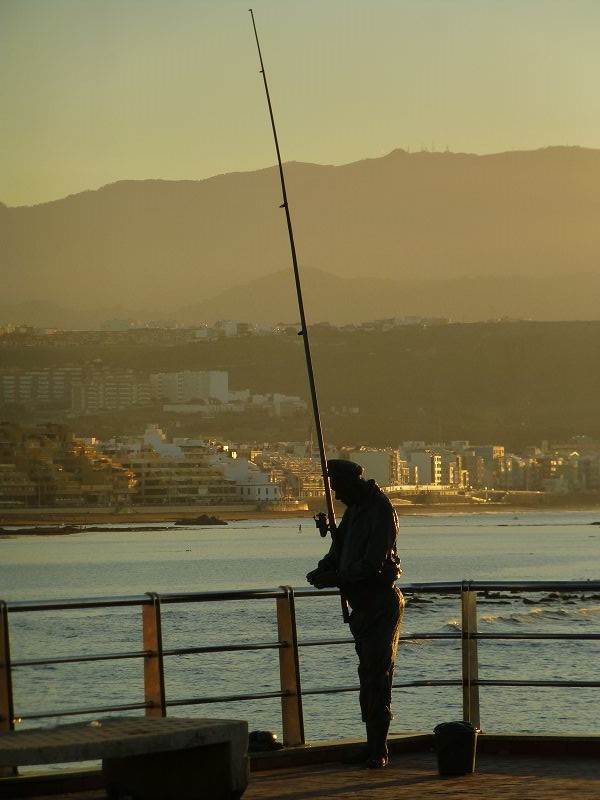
{"x":363,"y":562}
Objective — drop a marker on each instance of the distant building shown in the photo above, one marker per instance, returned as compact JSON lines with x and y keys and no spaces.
{"x":38,"y":387}
{"x":453,"y":473}
{"x":253,"y":485}
{"x":429,"y":466}
{"x":181,"y":387}
{"x":109,"y":389}
{"x":176,"y":480}
{"x":384,"y":466}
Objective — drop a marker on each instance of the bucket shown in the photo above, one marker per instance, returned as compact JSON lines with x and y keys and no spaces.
{"x":455,"y":745}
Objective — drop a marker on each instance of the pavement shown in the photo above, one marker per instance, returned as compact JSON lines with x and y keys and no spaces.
{"x":414,"y":776}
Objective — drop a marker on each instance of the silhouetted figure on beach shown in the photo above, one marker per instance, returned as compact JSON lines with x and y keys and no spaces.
{"x":363,"y":562}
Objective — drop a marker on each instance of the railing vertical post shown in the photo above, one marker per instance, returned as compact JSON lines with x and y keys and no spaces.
{"x":470,"y":663}
{"x":154,"y":673}
{"x":7,"y":715}
{"x":289,"y":670}
{"x":6,"y":698}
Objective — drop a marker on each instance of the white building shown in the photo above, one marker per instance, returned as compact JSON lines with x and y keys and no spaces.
{"x":253,"y":485}
{"x":156,"y":438}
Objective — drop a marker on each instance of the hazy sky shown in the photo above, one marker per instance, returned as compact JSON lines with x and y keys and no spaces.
{"x":95,"y":91}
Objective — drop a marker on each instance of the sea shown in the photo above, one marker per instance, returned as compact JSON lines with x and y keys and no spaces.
{"x":256,"y":554}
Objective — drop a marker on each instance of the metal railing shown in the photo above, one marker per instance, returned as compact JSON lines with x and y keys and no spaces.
{"x":153,"y":653}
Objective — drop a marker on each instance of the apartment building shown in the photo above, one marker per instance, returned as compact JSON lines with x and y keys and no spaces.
{"x":181,"y":387}
{"x":107,"y":390}
{"x":428,"y":466}
{"x":44,"y":386}
{"x":385,"y":467}
{"x":172,"y":480}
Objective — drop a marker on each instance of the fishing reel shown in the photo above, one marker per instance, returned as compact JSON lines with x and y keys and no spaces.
{"x":322,"y":523}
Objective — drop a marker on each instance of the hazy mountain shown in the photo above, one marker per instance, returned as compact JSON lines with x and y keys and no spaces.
{"x":442,"y":234}
{"x":329,"y":298}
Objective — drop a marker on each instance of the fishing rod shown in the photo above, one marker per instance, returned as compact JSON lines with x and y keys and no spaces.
{"x":324,"y":524}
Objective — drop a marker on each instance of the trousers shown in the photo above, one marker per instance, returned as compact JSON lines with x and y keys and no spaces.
{"x":376,"y":626}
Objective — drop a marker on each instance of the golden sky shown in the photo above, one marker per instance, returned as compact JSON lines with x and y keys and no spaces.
{"x":95,"y":91}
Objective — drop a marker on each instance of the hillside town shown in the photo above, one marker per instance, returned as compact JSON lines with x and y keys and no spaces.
{"x":165,"y":453}
{"x":47,"y":466}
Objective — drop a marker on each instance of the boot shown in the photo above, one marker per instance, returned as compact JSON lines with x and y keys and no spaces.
{"x":377,"y":744}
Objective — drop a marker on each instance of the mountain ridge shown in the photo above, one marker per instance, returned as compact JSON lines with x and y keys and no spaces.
{"x":404,"y":216}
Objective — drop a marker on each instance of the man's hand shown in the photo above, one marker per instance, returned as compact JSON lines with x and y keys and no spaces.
{"x":322,"y":580}
{"x":310,"y":576}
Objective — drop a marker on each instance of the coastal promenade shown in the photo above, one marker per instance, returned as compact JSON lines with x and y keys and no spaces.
{"x":414,"y":776}
{"x":136,"y":515}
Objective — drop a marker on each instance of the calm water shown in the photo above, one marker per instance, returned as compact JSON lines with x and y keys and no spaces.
{"x":254,"y":554}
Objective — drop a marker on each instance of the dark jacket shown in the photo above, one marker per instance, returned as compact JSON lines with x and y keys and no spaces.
{"x":363,"y":552}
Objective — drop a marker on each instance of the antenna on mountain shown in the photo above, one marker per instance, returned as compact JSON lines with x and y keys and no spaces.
{"x":330,"y":524}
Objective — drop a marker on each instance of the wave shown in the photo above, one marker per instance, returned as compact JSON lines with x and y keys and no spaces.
{"x":487,"y":518}
{"x":538,"y":613}
{"x":508,"y":598}
{"x":452,"y":625}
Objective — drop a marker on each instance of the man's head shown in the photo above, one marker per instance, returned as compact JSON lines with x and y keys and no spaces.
{"x":346,"y":480}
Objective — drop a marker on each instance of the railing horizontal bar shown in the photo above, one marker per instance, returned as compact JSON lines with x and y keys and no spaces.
{"x":142,"y":599}
{"x":76,"y":603}
{"x":408,"y":637}
{"x":443,"y":587}
{"x":142,"y":653}
{"x":566,"y":683}
{"x":229,"y":698}
{"x":225,"y":648}
{"x":552,"y":636}
{"x":307,"y":692}
{"x":531,"y":586}
{"x":317,"y":642}
{"x":399,"y":685}
{"x":43,"y":662}
{"x":455,"y":682}
{"x":208,"y":597}
{"x":80,"y":711}
{"x":277,"y":645}
{"x":455,"y":587}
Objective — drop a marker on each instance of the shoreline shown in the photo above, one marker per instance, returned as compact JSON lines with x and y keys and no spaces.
{"x":65,"y":521}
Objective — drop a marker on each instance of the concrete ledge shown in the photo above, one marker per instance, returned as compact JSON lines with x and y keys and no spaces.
{"x":539,"y":744}
{"x":149,"y":757}
{"x":336,"y":750}
{"x":502,"y":744}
